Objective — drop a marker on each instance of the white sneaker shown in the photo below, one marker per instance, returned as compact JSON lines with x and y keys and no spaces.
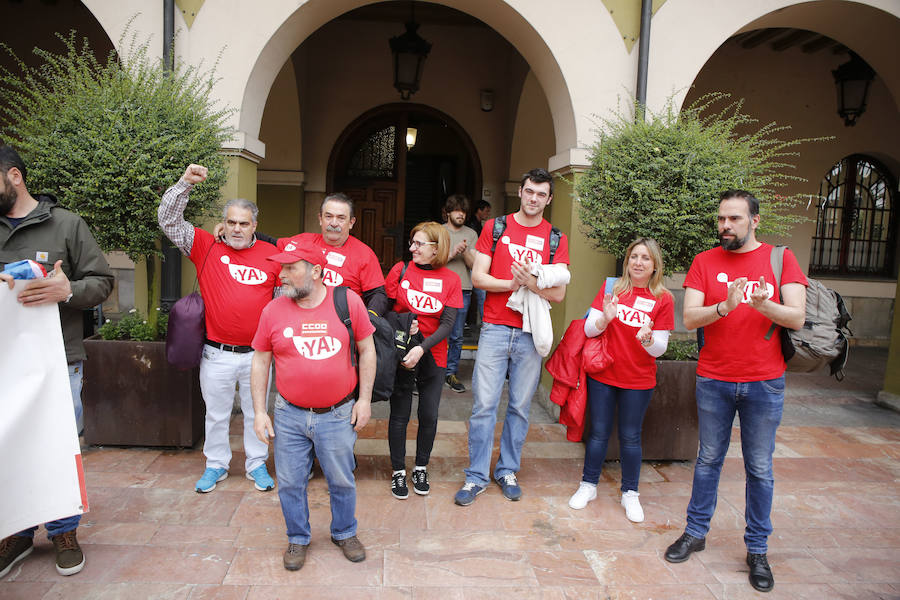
{"x":585,"y":493}
{"x":632,"y":505}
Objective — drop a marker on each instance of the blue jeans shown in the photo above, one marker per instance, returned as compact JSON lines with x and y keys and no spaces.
{"x":454,"y":342}
{"x":297,"y":432}
{"x":501,"y":349}
{"x":759,"y":405}
{"x":632,"y":404}
{"x":59,"y":526}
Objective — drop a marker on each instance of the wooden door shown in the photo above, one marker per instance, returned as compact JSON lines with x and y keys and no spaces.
{"x":379,"y":220}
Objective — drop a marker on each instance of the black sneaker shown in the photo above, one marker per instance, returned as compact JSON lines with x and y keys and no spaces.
{"x":454,"y":384}
{"x":398,"y":486}
{"x":420,"y":482}
{"x":12,"y":550}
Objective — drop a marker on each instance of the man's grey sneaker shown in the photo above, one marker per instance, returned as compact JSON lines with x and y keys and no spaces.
{"x":466,"y":494}
{"x":261,"y":478}
{"x":420,"y":482}
{"x":352,"y":548}
{"x":399,"y":490}
{"x":209,"y":479}
{"x":295,"y":556}
{"x":454,"y":384}
{"x":12,"y":550}
{"x":69,"y":557}
{"x":511,"y":489}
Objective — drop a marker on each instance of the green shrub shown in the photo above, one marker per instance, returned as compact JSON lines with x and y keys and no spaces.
{"x":133,"y":326}
{"x":661,"y":177}
{"x":681,"y":350}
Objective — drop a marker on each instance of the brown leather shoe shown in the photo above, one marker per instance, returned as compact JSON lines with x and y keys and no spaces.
{"x":295,"y":556}
{"x":69,"y":557}
{"x":353,"y":549}
{"x":12,"y":550}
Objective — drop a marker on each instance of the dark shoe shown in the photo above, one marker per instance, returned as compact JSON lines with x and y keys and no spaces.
{"x":69,"y":557}
{"x":12,"y":550}
{"x":399,"y":489}
{"x":683,"y":546}
{"x":760,"y":573}
{"x":295,"y":556}
{"x":466,"y":494}
{"x":510,"y":487}
{"x":420,"y":482}
{"x":454,"y":384}
{"x":352,"y":548}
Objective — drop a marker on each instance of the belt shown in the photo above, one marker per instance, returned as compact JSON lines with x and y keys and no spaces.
{"x":325,"y":409}
{"x":228,"y":347}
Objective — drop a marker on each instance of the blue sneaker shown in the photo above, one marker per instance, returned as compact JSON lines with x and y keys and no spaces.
{"x":466,"y":495}
{"x":261,"y":478}
{"x":210,"y":478}
{"x":511,"y":489}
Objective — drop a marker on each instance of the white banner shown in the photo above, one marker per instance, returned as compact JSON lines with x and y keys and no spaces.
{"x":41,"y":474}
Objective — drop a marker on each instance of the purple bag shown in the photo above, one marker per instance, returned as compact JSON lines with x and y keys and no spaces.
{"x":187,"y":332}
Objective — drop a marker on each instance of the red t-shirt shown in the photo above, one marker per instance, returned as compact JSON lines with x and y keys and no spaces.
{"x":632,"y":367}
{"x":735,"y":348}
{"x":312,"y":348}
{"x":235,"y":285}
{"x":425,"y":292}
{"x":518,"y":243}
{"x":352,"y":265}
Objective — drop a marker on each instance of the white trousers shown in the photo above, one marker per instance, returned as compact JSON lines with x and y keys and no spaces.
{"x":220,"y":372}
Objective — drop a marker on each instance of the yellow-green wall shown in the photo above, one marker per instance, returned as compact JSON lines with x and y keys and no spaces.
{"x":892,"y":371}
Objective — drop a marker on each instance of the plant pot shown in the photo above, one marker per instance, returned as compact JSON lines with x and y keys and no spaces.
{"x":670,"y":425}
{"x":132,"y":396}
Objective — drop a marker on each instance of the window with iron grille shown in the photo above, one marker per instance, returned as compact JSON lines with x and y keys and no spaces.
{"x":856,"y":224}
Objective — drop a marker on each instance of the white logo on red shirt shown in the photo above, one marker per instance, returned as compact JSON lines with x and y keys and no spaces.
{"x":421,"y":302}
{"x":312,"y":344}
{"x":630,"y":316}
{"x":520,"y":253}
{"x":245,"y":274}
{"x":331,"y":278}
{"x":335,"y":258}
{"x":751,"y":287}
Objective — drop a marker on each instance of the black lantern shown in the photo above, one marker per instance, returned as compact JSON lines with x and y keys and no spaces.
{"x":409,"y":52}
{"x":852,"y":80}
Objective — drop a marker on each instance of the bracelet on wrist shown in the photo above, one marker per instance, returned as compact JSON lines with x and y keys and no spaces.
{"x":718,"y":312}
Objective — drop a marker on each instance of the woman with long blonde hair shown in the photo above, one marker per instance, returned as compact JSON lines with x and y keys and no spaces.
{"x":636,"y":318}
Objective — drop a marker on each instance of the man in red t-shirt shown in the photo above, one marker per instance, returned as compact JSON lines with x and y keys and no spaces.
{"x":731,"y":293}
{"x":322,"y":401}
{"x":503,"y":348}
{"x":236,"y":282}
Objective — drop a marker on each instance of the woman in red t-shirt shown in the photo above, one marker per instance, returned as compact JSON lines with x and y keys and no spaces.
{"x":433,"y":293}
{"x":636,"y":319}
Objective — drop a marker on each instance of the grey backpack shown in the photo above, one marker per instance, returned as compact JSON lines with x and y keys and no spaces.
{"x":822,"y":339}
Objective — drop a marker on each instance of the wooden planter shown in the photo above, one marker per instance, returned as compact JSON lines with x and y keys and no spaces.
{"x":132,"y":396}
{"x":670,"y":425}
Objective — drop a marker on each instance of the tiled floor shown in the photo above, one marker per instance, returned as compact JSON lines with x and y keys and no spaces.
{"x":836,"y":517}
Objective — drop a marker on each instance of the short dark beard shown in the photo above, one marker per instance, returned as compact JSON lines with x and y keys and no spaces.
{"x":735,"y":244}
{"x":7,"y":198}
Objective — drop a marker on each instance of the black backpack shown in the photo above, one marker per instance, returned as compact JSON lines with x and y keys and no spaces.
{"x":385,"y":352}
{"x":500,"y":227}
{"x":822,"y":339}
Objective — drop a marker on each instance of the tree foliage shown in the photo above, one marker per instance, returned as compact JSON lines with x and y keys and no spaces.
{"x":661,"y":177}
{"x":107,"y":138}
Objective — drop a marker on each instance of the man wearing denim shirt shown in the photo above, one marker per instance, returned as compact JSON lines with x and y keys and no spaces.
{"x":730,"y":291}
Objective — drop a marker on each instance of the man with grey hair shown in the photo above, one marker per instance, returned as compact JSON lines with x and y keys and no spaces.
{"x":236,"y":282}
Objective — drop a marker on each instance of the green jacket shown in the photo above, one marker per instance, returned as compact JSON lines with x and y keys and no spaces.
{"x":50,"y":233}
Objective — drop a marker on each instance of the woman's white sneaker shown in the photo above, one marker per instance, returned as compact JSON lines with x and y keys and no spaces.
{"x":585,"y":493}
{"x":632,"y":505}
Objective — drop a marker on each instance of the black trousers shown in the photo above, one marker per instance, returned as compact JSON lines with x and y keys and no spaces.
{"x":428,"y":377}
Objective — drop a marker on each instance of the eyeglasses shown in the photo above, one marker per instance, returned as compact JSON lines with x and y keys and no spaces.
{"x":417,"y":244}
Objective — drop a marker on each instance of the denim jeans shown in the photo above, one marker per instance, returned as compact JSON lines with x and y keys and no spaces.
{"x":501,"y":349}
{"x":297,"y":432}
{"x":454,"y":342}
{"x":428,"y":378}
{"x":632,"y":405}
{"x":67,"y":523}
{"x":220,"y":370}
{"x":759,"y":405}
